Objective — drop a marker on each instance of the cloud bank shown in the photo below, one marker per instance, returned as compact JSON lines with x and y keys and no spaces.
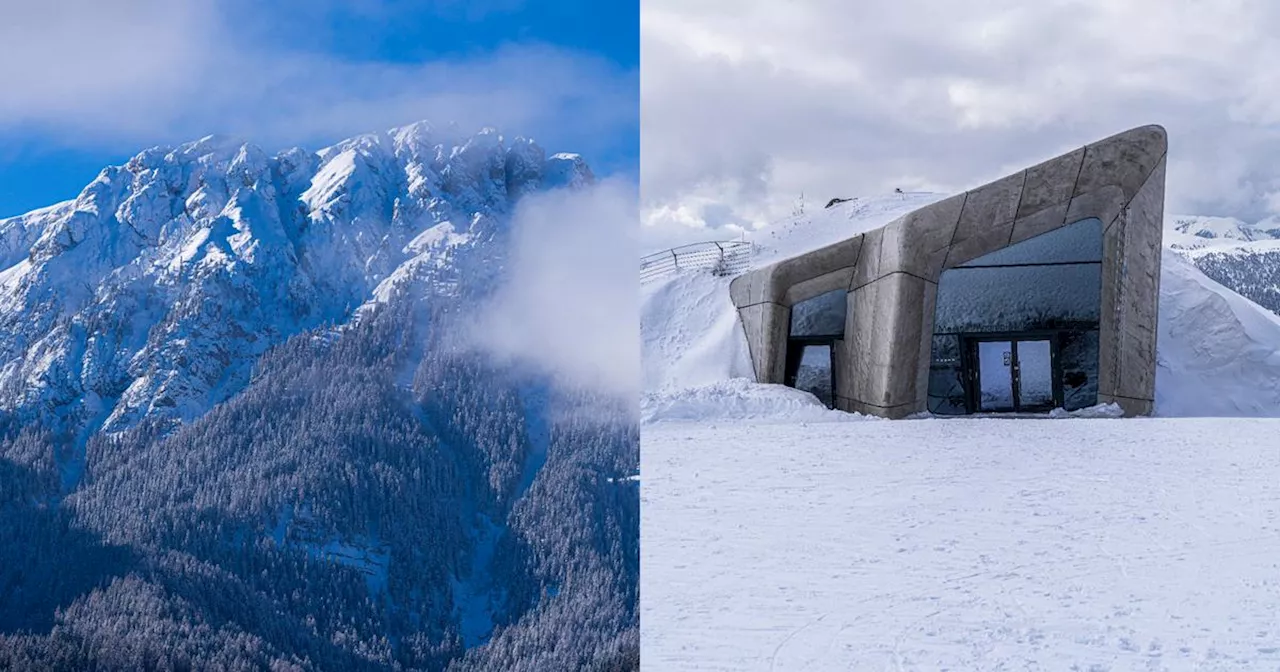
{"x":746,"y":105}
{"x":569,"y":306}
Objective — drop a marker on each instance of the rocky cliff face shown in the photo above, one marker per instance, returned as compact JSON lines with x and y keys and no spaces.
{"x":155,"y":290}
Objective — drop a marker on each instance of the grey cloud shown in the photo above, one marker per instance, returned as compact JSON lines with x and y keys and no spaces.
{"x":843,"y":99}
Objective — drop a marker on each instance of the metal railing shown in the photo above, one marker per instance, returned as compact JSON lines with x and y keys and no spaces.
{"x":724,"y":257}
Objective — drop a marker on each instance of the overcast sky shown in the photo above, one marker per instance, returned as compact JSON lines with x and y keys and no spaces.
{"x":746,"y":104}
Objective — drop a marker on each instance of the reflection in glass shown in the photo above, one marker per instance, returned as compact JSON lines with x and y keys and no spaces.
{"x":995,"y":381}
{"x":1017,"y":298}
{"x":823,"y":315}
{"x":1035,"y":374}
{"x":1045,"y":293}
{"x":1078,"y":352}
{"x":946,"y":376}
{"x":1079,"y":242}
{"x":814,"y":375}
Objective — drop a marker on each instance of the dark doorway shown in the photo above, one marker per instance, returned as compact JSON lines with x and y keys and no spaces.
{"x":1013,"y":374}
{"x":810,"y":367}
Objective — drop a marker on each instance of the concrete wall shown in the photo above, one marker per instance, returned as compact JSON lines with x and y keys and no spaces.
{"x":892,"y":274}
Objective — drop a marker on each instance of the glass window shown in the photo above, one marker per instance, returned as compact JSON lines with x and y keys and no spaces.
{"x":822,"y":315}
{"x":1079,"y":242}
{"x":1079,"y":357}
{"x":1017,"y":298}
{"x":946,"y":382}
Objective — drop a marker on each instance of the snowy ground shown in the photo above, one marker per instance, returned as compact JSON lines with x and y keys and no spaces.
{"x":962,"y":544}
{"x":778,"y":535}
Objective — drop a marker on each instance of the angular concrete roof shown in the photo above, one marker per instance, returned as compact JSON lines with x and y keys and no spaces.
{"x":892,"y":272}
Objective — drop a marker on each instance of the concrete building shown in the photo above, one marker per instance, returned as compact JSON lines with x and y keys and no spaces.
{"x":1036,"y":291}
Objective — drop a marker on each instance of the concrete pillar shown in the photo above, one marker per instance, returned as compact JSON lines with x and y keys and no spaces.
{"x":889,"y":337}
{"x":767,"y":326}
{"x":1131,"y":290}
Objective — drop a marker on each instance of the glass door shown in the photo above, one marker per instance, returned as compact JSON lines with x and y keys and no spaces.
{"x":995,"y":376}
{"x":1013,"y":375}
{"x":1033,"y":374}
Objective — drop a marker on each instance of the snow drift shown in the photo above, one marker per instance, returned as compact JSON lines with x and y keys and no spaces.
{"x":1218,"y":352}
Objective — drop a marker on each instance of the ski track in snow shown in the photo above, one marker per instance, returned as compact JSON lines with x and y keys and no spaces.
{"x":975,"y":544}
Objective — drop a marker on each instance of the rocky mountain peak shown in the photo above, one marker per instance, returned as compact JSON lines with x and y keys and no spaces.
{"x":155,"y":289}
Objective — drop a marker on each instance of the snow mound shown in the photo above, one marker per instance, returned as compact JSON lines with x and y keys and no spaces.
{"x":1219,"y":353}
{"x":1099,"y":411}
{"x":740,"y":400}
{"x":811,"y":230}
{"x":690,"y":332}
{"x":689,"y":327}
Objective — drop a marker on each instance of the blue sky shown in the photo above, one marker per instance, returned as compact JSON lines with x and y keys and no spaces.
{"x":101,"y":83}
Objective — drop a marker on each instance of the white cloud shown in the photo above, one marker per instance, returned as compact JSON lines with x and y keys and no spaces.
{"x":123,"y":65}
{"x":569,"y":305}
{"x":746,"y":104}
{"x":132,"y":73}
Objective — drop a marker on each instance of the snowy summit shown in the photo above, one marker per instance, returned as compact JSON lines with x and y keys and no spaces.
{"x":152,"y":293}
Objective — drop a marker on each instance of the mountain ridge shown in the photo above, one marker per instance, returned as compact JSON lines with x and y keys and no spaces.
{"x":152,"y":291}
{"x":245,"y":390}
{"x":1242,"y":256}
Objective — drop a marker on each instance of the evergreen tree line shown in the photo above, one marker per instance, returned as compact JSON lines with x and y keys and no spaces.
{"x":1256,"y":275}
{"x":329,"y":517}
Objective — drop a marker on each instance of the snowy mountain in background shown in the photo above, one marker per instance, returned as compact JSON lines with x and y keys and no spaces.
{"x":153,"y":292}
{"x":1199,"y":232}
{"x":1242,"y":256}
{"x":1219,"y":341}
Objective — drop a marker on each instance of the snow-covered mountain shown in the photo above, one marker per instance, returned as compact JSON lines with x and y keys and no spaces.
{"x":1201,"y":232}
{"x":1244,"y":257}
{"x":247,"y":390}
{"x":1219,"y":342}
{"x":153,"y":292}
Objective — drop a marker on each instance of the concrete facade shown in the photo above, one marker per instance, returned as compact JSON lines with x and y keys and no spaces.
{"x":892,"y":273}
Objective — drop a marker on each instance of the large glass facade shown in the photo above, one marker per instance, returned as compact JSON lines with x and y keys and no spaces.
{"x":1021,"y":323}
